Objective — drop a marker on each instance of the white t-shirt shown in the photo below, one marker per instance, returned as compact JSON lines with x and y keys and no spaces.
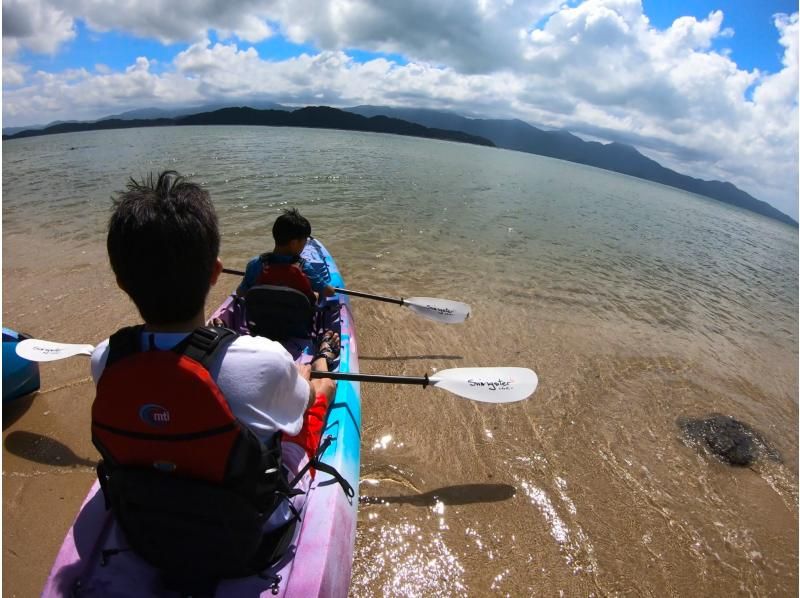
{"x":263,"y":389}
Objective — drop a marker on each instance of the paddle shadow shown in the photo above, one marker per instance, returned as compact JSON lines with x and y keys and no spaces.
{"x":15,"y":409}
{"x":408,"y":357}
{"x":462,"y":494}
{"x":41,"y":449}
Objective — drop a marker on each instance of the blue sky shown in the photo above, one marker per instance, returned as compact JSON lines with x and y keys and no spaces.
{"x":115,"y":49}
{"x":753,"y":44}
{"x":706,"y":87}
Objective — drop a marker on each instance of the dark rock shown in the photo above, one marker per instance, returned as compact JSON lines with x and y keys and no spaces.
{"x":728,"y":439}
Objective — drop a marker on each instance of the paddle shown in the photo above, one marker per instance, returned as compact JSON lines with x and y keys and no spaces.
{"x":438,"y":310}
{"x":34,"y":349}
{"x":488,"y":384}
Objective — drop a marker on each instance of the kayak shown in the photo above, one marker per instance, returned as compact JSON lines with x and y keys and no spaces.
{"x":94,"y":559}
{"x":20,"y":376}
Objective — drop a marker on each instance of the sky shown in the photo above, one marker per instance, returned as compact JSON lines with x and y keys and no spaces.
{"x":706,"y":87}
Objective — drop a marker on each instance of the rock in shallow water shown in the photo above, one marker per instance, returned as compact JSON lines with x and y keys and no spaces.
{"x":730,"y":440}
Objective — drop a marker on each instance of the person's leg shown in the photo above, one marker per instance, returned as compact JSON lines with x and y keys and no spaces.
{"x":313,"y":424}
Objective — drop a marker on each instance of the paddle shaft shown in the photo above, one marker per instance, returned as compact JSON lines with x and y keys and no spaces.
{"x":342,"y":291}
{"x":369,"y":296}
{"x":420,"y":380}
{"x":475,"y":384}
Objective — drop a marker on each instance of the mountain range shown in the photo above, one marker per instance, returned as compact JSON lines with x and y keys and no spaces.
{"x":510,"y":134}
{"x":317,"y":117}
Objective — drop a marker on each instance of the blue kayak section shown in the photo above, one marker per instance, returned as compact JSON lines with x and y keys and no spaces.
{"x":20,"y":376}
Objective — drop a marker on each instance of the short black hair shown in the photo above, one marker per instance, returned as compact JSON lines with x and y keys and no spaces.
{"x":290,"y":226}
{"x":163,"y":242}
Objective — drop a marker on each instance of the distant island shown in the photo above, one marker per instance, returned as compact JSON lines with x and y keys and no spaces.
{"x":317,"y":117}
{"x":432,"y":124}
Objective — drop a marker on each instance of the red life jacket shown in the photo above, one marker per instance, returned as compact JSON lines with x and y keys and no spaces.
{"x":286,"y":275}
{"x":163,"y":409}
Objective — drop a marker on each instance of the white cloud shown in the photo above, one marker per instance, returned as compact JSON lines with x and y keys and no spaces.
{"x":43,"y":25}
{"x":36,"y":25}
{"x":598,"y":68}
{"x":477,"y":36}
{"x":14,"y":73}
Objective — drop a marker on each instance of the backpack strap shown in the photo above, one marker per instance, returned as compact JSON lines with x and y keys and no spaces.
{"x":204,"y":344}
{"x":122,"y":343}
{"x":201,"y":345}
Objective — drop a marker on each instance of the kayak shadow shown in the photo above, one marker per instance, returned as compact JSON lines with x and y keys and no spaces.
{"x":408,"y":357}
{"x":41,"y":449}
{"x":15,"y":409}
{"x":462,"y":494}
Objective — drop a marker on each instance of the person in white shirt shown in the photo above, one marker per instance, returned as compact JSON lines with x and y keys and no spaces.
{"x":163,"y":245}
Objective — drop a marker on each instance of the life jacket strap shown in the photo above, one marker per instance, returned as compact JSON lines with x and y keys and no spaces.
{"x":201,"y":345}
{"x":125,"y":341}
{"x":205,"y":342}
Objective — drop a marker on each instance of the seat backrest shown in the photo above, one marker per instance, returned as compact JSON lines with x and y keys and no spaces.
{"x":278,"y":312}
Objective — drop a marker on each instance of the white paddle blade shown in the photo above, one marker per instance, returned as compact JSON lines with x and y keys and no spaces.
{"x":438,"y":310}
{"x":34,"y":349}
{"x":489,"y":385}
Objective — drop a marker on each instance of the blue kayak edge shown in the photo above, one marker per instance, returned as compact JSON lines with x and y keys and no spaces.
{"x":20,"y":376}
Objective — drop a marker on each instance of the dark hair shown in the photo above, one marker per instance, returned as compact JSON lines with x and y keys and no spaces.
{"x":290,"y":226}
{"x":163,"y":242}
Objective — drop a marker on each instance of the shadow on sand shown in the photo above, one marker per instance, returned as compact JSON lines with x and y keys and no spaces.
{"x":15,"y":409}
{"x":41,"y":449}
{"x":462,"y":494}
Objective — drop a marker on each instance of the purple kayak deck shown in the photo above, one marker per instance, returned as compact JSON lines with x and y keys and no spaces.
{"x":93,"y":560}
